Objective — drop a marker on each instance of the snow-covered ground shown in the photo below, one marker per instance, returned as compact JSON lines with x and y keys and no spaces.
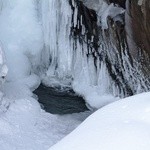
{"x":24,"y":126}
{"x":123,"y":125}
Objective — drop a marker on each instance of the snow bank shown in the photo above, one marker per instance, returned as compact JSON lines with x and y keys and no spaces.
{"x":123,"y":125}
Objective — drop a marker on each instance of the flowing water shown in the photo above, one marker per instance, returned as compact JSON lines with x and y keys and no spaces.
{"x":60,"y":101}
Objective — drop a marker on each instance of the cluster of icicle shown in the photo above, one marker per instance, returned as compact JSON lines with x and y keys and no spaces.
{"x":65,"y":59}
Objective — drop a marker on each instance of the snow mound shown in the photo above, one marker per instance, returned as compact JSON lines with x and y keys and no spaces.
{"x":123,"y":125}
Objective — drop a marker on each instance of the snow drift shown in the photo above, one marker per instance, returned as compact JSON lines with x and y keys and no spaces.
{"x":123,"y":125}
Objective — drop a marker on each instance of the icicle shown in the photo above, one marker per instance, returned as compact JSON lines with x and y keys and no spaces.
{"x":96,"y":69}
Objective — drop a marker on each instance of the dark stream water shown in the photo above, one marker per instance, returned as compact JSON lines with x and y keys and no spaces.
{"x":58,"y":101}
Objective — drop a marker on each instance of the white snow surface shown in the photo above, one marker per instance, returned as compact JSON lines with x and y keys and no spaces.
{"x":24,"y":126}
{"x":21,"y":37}
{"x":122,"y":125}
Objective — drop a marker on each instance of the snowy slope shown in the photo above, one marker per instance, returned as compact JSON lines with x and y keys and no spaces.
{"x":123,"y":125}
{"x":24,"y":126}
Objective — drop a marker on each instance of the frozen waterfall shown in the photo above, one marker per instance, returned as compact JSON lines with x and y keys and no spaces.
{"x":67,"y":62}
{"x":64,"y":43}
{"x":80,"y":53}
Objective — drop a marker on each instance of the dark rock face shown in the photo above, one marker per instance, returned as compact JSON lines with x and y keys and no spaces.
{"x":89,"y":20}
{"x":139,"y":24}
{"x":58,"y":101}
{"x":119,"y":2}
{"x":116,"y":51}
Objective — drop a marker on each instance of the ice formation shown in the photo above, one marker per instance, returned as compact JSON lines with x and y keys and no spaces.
{"x":23,"y":124}
{"x":68,"y":59}
{"x":49,"y":41}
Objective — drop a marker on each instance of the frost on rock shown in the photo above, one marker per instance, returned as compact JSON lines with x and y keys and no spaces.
{"x":104,"y":10}
{"x":65,"y":58}
{"x":111,"y":11}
